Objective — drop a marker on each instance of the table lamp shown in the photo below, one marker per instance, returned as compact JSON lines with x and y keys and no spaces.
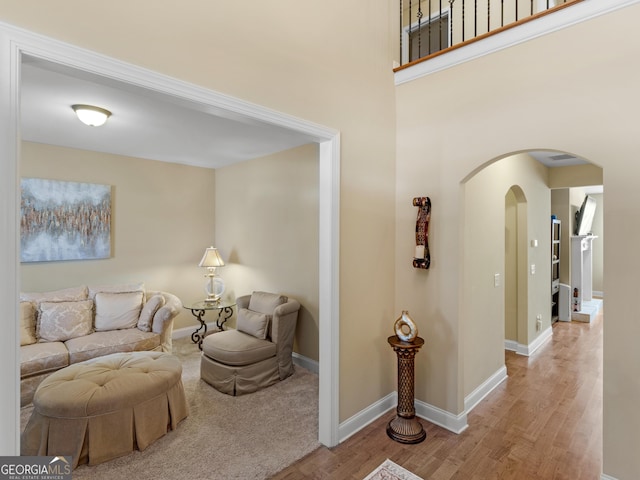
{"x":215,"y":285}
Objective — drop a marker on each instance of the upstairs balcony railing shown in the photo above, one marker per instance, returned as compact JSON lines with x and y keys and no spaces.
{"x":431,"y":27}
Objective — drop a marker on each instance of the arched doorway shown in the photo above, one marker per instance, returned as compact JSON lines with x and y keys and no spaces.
{"x":512,"y":192}
{"x":515,"y":267}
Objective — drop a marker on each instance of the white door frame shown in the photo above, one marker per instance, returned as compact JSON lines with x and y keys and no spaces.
{"x":14,"y":43}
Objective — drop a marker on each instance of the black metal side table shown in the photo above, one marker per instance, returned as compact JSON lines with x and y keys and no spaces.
{"x":198,"y":309}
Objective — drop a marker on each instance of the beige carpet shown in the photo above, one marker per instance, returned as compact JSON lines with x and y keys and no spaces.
{"x":248,"y":437}
{"x":391,"y":471}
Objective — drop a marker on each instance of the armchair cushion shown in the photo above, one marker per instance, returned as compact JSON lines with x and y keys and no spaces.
{"x":264,"y":302}
{"x":253,"y":323}
{"x":116,"y":311}
{"x":60,"y":321}
{"x":232,"y":347}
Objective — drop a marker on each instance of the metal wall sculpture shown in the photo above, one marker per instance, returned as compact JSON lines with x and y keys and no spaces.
{"x":422,"y":257}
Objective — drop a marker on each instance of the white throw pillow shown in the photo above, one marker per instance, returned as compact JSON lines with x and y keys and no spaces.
{"x":253,"y":323}
{"x":27,"y":323}
{"x":116,"y":311}
{"x":61,"y":321}
{"x":148,"y":311}
{"x":123,"y":288}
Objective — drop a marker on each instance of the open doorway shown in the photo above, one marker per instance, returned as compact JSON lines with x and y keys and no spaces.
{"x":20,"y":43}
{"x":515,"y":267}
{"x":507,"y":261}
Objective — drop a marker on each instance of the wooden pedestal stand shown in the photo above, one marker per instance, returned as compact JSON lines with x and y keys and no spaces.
{"x":405,"y":427}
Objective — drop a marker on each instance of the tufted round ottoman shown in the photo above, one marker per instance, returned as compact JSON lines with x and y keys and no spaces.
{"x":106,"y":407}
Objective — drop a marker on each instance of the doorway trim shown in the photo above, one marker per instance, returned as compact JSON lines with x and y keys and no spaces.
{"x":14,"y":43}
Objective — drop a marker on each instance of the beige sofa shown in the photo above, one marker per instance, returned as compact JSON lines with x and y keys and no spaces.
{"x":64,"y":327}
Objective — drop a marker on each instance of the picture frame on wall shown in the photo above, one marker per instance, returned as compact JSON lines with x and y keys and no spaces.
{"x":62,"y":220}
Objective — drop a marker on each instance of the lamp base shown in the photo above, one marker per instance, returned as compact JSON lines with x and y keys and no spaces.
{"x":212,"y":301}
{"x":214,"y":288}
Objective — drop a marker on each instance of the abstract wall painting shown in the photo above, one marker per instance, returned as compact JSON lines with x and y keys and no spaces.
{"x":64,"y":220}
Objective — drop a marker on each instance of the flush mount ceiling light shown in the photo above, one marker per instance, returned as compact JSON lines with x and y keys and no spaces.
{"x":90,"y":115}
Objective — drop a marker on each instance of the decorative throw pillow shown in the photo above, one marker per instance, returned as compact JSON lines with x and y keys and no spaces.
{"x":148,"y":311}
{"x":253,"y":323}
{"x":264,"y":302}
{"x":116,"y":311}
{"x":61,"y":321}
{"x":27,"y":323}
{"x":124,"y":288}
{"x":72,"y":294}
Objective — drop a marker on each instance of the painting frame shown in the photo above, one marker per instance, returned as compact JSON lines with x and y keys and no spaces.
{"x":63,"y":220}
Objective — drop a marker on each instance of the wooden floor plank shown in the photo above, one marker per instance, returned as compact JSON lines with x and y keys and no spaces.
{"x":543,"y":422}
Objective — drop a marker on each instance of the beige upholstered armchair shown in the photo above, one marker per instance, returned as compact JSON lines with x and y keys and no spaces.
{"x":258,"y":353}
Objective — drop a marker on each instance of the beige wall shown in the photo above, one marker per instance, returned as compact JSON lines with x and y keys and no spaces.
{"x":162,"y":220}
{"x":483,"y":304}
{"x":486,"y":109}
{"x":334,"y":70}
{"x":267,"y":232}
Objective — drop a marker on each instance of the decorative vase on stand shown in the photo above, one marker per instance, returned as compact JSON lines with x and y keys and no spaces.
{"x":405,"y":427}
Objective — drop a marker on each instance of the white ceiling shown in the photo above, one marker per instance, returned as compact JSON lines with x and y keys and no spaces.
{"x":143,"y":123}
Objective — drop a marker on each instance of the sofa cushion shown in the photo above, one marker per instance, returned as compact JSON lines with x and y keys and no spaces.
{"x":72,"y":294}
{"x":42,"y":357}
{"x":120,"y":288}
{"x":264,"y":302}
{"x":115,"y":311}
{"x":232,"y":347}
{"x":253,"y":323}
{"x":27,"y":323}
{"x":60,"y":321}
{"x":148,"y":311}
{"x":113,"y":341}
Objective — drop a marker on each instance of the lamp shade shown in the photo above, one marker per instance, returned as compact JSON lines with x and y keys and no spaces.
{"x":90,"y":115}
{"x":211,"y":258}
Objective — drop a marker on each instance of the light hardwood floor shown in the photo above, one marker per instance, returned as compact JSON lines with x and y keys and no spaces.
{"x":543,"y":422}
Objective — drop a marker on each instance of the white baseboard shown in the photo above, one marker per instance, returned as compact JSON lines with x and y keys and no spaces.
{"x":435,"y":415}
{"x":607,"y":477}
{"x":365,"y":417}
{"x":528,"y":350}
{"x":475,"y":397}
{"x":306,"y":362}
{"x":511,"y":345}
{"x":597,"y":294}
{"x":538,"y":342}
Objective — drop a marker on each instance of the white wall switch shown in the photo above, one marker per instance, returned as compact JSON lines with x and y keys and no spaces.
{"x":496,"y":280}
{"x":533,"y":269}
